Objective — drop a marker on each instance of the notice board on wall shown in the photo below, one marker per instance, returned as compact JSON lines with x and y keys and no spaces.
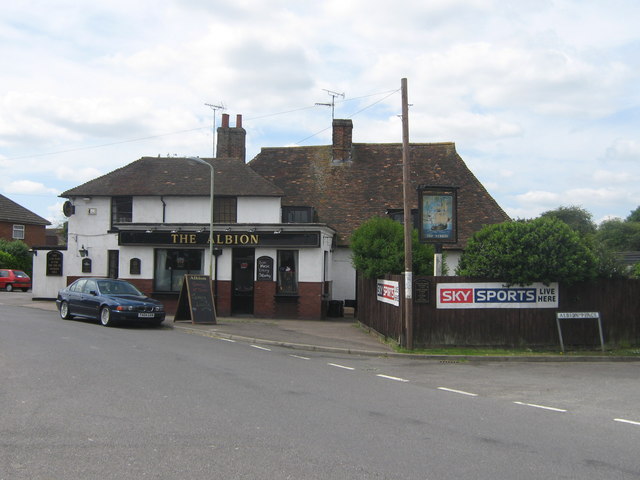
{"x":195,"y":302}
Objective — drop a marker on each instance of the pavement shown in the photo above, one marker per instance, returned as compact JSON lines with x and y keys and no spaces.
{"x":336,"y":335}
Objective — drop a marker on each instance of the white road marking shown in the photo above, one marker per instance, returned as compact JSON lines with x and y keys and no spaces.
{"x":300,"y":357}
{"x":227,"y":340}
{"x":461,"y":392}
{"x":388,"y":377}
{"x":261,"y":348}
{"x":340,"y":366}
{"x":622,"y":420}
{"x":553,"y":409}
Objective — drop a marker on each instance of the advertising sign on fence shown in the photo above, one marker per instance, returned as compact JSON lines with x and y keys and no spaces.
{"x":389,"y":292}
{"x":496,"y":295}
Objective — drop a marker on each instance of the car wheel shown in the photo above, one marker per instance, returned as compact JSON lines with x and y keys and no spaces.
{"x":9,"y":287}
{"x":105,"y":317}
{"x":64,"y":311}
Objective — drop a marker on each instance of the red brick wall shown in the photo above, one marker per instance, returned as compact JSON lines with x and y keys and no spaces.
{"x":310,"y":305}
{"x":263,"y":302}
{"x":34,"y":235}
{"x":223,"y":305}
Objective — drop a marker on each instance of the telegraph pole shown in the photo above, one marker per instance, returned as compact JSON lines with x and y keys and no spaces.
{"x":408,"y":224}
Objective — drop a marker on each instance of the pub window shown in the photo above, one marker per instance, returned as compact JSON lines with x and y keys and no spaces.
{"x":225,"y":209}
{"x":287,"y":272}
{"x":172,"y":264}
{"x":297,"y":214}
{"x":397,"y":214}
{"x":121,"y":209}
{"x":18,"y":232}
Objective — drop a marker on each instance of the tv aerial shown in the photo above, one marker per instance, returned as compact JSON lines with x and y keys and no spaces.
{"x":333,"y":101}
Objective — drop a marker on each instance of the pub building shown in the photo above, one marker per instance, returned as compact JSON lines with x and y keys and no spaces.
{"x":148,"y":223}
{"x":281,"y":222}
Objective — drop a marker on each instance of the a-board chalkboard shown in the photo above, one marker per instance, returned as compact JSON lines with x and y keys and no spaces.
{"x":195,"y":302}
{"x":265,"y":269}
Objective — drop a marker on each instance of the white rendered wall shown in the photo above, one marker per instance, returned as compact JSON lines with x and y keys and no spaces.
{"x":258,"y":209}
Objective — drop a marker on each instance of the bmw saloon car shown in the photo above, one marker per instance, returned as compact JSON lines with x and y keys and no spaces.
{"x":109,"y":300}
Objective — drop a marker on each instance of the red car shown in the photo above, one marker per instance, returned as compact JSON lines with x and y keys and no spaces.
{"x":12,"y":279}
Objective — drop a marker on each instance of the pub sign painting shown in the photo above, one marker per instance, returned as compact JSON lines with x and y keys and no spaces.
{"x":438,"y":214}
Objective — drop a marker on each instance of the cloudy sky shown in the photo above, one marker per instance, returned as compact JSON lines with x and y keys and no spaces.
{"x":541,"y":97}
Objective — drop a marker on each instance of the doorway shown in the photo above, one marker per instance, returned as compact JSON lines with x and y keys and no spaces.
{"x":242,"y":281}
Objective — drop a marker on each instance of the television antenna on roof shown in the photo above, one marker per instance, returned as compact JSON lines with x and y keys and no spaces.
{"x":333,"y":101}
{"x":213,"y":133}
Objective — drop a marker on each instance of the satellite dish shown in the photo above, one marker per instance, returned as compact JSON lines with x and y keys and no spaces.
{"x":68,"y":209}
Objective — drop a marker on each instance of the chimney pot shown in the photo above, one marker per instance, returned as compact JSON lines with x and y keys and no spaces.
{"x":225,"y":120}
{"x":239,"y":121}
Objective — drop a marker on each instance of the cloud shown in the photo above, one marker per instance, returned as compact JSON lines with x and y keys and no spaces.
{"x":28,"y":187}
{"x":624,"y":151}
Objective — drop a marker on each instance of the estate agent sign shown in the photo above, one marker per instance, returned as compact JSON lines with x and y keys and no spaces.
{"x":496,"y":295}
{"x":389,"y":292}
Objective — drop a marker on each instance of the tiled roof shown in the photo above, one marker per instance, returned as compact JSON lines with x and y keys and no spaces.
{"x":349,"y":193}
{"x":178,"y":176}
{"x":10,"y":211}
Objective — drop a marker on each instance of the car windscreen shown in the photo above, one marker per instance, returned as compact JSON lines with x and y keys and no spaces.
{"x":110,"y":287}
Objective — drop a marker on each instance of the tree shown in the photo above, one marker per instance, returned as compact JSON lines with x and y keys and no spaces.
{"x":634,"y":216}
{"x":519,"y":253}
{"x":576,"y":217}
{"x":377,"y":248}
{"x":19,"y":253}
{"x":619,"y":235}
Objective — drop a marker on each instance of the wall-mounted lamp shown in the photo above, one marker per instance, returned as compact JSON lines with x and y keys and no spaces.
{"x":251,"y":230}
{"x":279,"y":231}
{"x":228,"y":229}
{"x":148,"y":231}
{"x":83,"y":251}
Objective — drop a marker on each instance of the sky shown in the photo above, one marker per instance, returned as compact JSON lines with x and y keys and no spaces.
{"x":540,"y":97}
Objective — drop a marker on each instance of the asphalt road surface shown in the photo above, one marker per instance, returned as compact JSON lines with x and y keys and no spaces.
{"x":80,"y":401}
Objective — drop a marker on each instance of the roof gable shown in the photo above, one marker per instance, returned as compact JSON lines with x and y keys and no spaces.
{"x":345,"y":194}
{"x":10,"y":211}
{"x":151,"y":176}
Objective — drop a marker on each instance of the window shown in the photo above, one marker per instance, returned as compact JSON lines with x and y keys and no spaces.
{"x":172,"y":264}
{"x":18,"y":232}
{"x":397,"y":214}
{"x":287,"y":272}
{"x":297,"y":214}
{"x":121,"y":210}
{"x":225,"y":209}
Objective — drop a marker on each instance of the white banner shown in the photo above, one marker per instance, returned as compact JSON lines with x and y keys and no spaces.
{"x":389,"y":292}
{"x":496,"y":295}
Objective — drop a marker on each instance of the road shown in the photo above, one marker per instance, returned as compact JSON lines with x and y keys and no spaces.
{"x":81,"y":401}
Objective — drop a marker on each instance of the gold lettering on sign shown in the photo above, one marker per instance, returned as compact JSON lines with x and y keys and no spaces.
{"x":236,"y":239}
{"x":183,"y":238}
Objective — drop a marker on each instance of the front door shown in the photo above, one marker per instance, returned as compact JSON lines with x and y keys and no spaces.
{"x":242,"y":281}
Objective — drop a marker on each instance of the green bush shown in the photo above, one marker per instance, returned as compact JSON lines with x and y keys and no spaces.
{"x":377,"y":248}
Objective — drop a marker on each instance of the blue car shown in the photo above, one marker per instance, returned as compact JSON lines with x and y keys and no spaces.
{"x":108,"y":300}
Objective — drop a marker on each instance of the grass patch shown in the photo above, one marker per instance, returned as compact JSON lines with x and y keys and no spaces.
{"x":515,"y":352}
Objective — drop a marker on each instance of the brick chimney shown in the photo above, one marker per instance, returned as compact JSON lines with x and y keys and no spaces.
{"x":342,"y":140}
{"x":231,"y":140}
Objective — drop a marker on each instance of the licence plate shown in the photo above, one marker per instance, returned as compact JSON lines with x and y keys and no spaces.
{"x":146,"y":315}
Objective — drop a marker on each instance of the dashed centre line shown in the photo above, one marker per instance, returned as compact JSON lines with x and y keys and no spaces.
{"x":461,"y":392}
{"x":543,"y":407}
{"x":341,"y":366}
{"x":300,"y":357}
{"x":622,"y":420}
{"x":388,"y":377}
{"x":261,"y":348}
{"x":227,"y":340}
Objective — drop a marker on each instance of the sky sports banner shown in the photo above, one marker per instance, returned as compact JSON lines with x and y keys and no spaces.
{"x":496,"y":295}
{"x":389,"y":292}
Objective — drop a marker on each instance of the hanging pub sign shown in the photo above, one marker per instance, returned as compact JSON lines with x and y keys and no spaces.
{"x":438,"y":214}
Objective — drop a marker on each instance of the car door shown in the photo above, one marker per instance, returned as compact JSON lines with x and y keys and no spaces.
{"x":91,"y":299}
{"x":74,"y":297}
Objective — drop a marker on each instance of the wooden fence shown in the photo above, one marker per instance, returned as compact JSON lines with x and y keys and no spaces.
{"x":617,"y":300}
